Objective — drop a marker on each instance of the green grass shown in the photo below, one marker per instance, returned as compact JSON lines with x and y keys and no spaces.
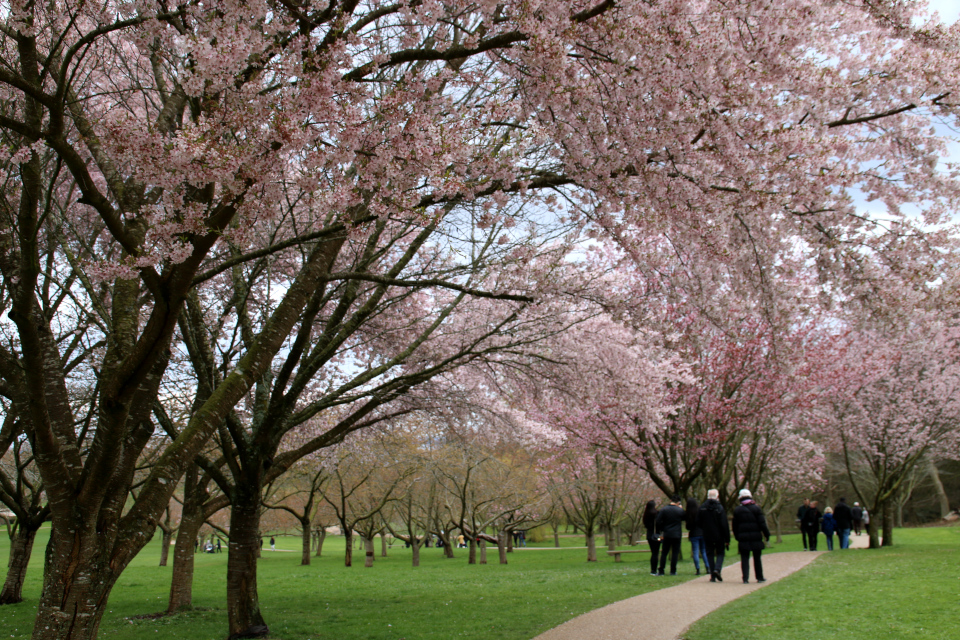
{"x":864,"y":594}
{"x":905,"y":592}
{"x":440,"y":600}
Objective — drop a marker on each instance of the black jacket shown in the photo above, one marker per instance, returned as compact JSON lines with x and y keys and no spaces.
{"x":713,"y":520}
{"x":811,"y":520}
{"x":843,"y":515}
{"x":750,"y":527}
{"x":670,"y":521}
{"x":856,"y":513}
{"x":650,"y":524}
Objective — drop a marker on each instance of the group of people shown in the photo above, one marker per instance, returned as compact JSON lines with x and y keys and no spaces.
{"x":709,"y":534}
{"x":839,"y":520}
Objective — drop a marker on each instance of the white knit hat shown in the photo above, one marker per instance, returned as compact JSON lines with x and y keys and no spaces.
{"x":745,"y":493}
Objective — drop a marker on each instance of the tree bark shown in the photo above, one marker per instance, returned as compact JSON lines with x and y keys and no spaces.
{"x":21,"y":548}
{"x":415,"y":545}
{"x":383,"y":545}
{"x":472,"y":553}
{"x":321,"y":536}
{"x":348,"y":554}
{"x":483,"y":551}
{"x":165,"y":539}
{"x":591,"y":546}
{"x":243,"y":601}
{"x":887,"y":524}
{"x":305,"y":555}
{"x":369,"y":552}
{"x":942,"y":497}
{"x":181,"y":581}
{"x":503,"y":538}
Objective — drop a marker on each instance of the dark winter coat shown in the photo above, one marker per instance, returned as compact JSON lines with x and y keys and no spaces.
{"x":670,"y":521}
{"x":693,"y":526}
{"x":811,"y":520}
{"x":829,"y":524}
{"x":856,"y":513}
{"x":843,"y":515}
{"x":650,"y":523}
{"x":712,"y":519}
{"x":750,"y":527}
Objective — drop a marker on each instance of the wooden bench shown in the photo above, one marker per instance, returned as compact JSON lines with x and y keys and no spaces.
{"x":616,"y":554}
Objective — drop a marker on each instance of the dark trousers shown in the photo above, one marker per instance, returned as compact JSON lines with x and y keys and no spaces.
{"x":812,"y":539}
{"x":745,"y":564}
{"x":803,"y":536}
{"x":856,"y":526}
{"x":714,"y":554}
{"x":671,"y":546}
{"x":654,"y":552}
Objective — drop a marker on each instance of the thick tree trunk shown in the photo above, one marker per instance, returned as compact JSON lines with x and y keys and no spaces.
{"x":165,"y":540}
{"x":20,"y":549}
{"x":415,"y":545}
{"x":383,"y":545}
{"x":369,"y":552}
{"x":503,"y":538}
{"x":78,"y":578}
{"x":181,"y":581}
{"x":321,"y":536}
{"x":243,"y":601}
{"x":472,"y":553}
{"x":510,"y":542}
{"x":483,"y":552}
{"x":591,"y":546}
{"x":556,"y":537}
{"x":348,"y":554}
{"x":447,"y":547}
{"x":887,"y":524}
{"x":305,"y":555}
{"x":612,"y":539}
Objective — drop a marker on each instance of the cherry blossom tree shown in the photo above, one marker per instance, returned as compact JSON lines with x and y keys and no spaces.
{"x":153,"y":153}
{"x":895,"y":402}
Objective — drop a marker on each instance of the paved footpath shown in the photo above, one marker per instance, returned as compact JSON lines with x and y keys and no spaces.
{"x":666,"y":613}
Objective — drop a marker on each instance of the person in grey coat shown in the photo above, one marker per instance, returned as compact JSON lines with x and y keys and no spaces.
{"x":750,"y":530}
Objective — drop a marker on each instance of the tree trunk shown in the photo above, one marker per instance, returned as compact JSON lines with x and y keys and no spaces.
{"x":383,"y":545}
{"x":243,"y":601}
{"x":483,"y":551}
{"x":369,"y":552}
{"x":591,"y":546}
{"x":20,"y":549}
{"x":872,"y":533}
{"x":503,"y":538}
{"x":611,"y":539}
{"x":942,"y":497}
{"x":305,"y":555}
{"x":887,"y":524}
{"x":776,"y":526}
{"x":472,"y":553}
{"x":415,"y":545}
{"x":165,"y":541}
{"x":181,"y":580}
{"x":556,"y":536}
{"x":447,"y":547}
{"x":321,"y":536}
{"x":510,"y":542}
{"x":78,"y":578}
{"x":348,"y":554}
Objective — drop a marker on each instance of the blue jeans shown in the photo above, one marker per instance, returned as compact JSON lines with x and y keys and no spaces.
{"x":699,"y":551}
{"x":829,"y":541}
{"x":844,"y":538}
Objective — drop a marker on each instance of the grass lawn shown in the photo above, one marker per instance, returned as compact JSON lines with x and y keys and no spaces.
{"x":905,"y":592}
{"x":539,"y":589}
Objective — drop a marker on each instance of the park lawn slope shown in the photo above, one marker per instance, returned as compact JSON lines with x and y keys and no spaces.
{"x":905,"y":592}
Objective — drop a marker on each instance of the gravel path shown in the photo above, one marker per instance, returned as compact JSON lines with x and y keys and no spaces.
{"x":665,"y":614}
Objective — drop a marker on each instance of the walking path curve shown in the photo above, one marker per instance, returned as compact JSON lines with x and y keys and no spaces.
{"x":680,"y":606}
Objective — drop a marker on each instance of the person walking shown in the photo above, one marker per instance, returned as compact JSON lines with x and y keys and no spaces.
{"x":750,"y":530}
{"x":829,"y":526}
{"x":653,"y":539}
{"x":802,"y":511}
{"x":670,"y":526}
{"x":695,"y":534}
{"x":844,"y":521}
{"x":856,"y":513}
{"x":716,"y":532}
{"x":811,"y":524}
{"x":273,"y":544}
{"x":866,"y":520}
